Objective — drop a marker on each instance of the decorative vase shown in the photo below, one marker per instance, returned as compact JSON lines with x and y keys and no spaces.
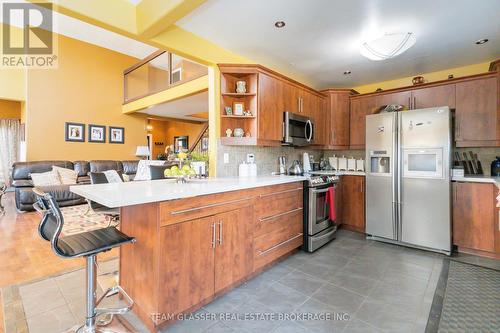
{"x":418,"y":80}
{"x":241,"y":87}
{"x":229,"y":132}
{"x":239,"y":132}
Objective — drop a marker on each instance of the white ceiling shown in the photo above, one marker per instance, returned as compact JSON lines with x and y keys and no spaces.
{"x":321,"y":38}
{"x":181,"y":108}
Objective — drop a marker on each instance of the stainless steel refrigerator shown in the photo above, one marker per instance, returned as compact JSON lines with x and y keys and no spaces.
{"x":408,"y":157}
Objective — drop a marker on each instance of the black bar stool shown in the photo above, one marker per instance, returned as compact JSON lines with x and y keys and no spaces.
{"x":87,"y":244}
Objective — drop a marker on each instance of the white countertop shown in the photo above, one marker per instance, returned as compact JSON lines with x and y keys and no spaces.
{"x":478,"y":179}
{"x":140,"y":192}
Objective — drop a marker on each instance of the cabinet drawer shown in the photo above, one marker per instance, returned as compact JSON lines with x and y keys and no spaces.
{"x":266,"y":225}
{"x":181,"y":210}
{"x":273,"y":245}
{"x":279,"y":199}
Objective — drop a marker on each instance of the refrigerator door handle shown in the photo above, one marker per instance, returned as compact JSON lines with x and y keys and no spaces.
{"x":394,"y":174}
{"x":399,"y":172}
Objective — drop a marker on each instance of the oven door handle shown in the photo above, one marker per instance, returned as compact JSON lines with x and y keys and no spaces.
{"x":320,"y":191}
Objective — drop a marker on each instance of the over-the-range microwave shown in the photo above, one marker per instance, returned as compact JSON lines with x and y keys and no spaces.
{"x":297,"y":130}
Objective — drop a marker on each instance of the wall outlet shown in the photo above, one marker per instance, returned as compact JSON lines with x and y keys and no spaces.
{"x":226,"y":158}
{"x":250,"y":158}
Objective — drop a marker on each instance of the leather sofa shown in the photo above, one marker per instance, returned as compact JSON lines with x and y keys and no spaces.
{"x":21,"y":179}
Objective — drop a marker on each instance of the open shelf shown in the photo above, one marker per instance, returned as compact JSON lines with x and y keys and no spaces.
{"x":238,"y":94}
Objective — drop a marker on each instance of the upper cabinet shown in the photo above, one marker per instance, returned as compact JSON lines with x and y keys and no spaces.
{"x":336,"y":109}
{"x":360,"y":108}
{"x":268,"y":95}
{"x":430,"y":97}
{"x":397,"y":98}
{"x":477,"y":113}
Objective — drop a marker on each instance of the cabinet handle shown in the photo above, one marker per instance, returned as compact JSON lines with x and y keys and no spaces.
{"x":298,"y":104}
{"x":333,"y":137}
{"x":264,"y":219}
{"x":220,"y":232}
{"x":361,"y":187}
{"x":279,"y":244}
{"x":280,"y":192}
{"x":213,"y":235}
{"x":414,"y":102}
{"x":208,"y":206}
{"x":409,"y":103}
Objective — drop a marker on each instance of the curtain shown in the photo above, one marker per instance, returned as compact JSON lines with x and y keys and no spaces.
{"x":9,"y":147}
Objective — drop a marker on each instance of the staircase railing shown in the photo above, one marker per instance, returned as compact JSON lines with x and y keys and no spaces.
{"x":200,"y":144}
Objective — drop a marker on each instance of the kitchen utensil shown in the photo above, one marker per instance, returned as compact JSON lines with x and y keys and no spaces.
{"x":306,"y":162}
{"x":342,"y":164}
{"x":351,"y":164}
{"x":295,"y":169}
{"x":334,"y":162}
{"x":470,"y":166}
{"x":495,"y":167}
{"x":479,"y":166}
{"x":282,"y":162}
{"x":316,"y":166}
{"x":360,"y":165}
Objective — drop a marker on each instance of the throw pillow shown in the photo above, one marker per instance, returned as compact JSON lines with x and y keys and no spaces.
{"x":67,"y":176}
{"x":113,"y":176}
{"x":49,"y":178}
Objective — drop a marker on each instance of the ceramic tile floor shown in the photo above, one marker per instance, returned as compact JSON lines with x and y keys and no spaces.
{"x":380,"y":288}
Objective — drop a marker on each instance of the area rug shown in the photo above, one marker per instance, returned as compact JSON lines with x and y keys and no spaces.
{"x":467,"y":299}
{"x":78,"y":219}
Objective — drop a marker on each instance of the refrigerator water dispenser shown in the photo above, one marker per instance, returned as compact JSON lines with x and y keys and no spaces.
{"x":380,"y":164}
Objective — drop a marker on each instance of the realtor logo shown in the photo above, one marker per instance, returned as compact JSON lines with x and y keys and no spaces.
{"x":27,"y":35}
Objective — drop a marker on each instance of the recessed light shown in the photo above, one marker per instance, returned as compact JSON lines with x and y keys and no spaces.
{"x":481,"y":41}
{"x":279,"y":24}
{"x":347,"y":72}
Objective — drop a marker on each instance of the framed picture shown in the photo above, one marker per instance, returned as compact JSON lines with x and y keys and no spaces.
{"x":116,"y":134}
{"x":97,"y":133}
{"x":181,"y":143}
{"x":75,"y":132}
{"x":204,"y":144}
{"x":238,"y":108}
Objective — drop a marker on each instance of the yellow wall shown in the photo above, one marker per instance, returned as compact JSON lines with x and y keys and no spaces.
{"x":87,"y":87}
{"x":10,"y":109}
{"x":12,"y":80}
{"x":165,"y":131}
{"x":429,"y":77}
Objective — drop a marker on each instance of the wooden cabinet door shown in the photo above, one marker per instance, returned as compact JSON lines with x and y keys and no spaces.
{"x":397,"y":98}
{"x":271,"y":107}
{"x":360,"y":108}
{"x":186,"y":264}
{"x":434,"y":96}
{"x":234,"y":249}
{"x":474,"y":216}
{"x":353,"y":203}
{"x":290,"y":98}
{"x":337,"y":107}
{"x":477,"y":110}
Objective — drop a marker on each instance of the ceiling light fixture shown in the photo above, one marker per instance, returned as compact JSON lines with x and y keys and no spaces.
{"x":481,"y":41}
{"x":279,"y":24}
{"x":347,"y":72}
{"x":388,"y":46}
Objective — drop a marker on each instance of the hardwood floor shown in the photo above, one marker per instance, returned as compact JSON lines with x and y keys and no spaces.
{"x":24,"y":256}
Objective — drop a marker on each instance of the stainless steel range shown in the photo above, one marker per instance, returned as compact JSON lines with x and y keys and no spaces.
{"x":319,"y":228}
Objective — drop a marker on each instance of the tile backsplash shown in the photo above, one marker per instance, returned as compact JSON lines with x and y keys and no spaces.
{"x":266,"y":158}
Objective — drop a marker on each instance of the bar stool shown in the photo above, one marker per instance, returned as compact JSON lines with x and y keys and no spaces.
{"x":87,"y":244}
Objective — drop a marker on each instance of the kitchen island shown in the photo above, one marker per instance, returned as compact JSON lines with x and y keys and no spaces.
{"x":196,"y":241}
